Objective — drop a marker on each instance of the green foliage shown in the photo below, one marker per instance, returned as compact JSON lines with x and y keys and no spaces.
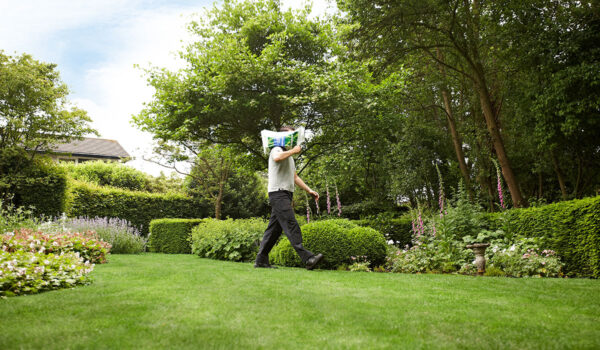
{"x":274,"y":66}
{"x":139,"y":208}
{"x":109,"y":174}
{"x":360,"y":264}
{"x":37,"y":183}
{"x":462,"y":218}
{"x":12,"y":218}
{"x":368,"y":243}
{"x":397,"y":230}
{"x":524,"y":258}
{"x":338,"y":240}
{"x":236,"y":240}
{"x":570,"y":228}
{"x":23,"y":272}
{"x":34,"y":111}
{"x":172,"y":235}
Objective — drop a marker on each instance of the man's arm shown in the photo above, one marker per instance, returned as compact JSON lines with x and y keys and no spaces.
{"x":285,"y":154}
{"x":298,"y":181}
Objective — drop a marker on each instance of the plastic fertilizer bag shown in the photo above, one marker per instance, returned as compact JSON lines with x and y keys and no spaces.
{"x":286,"y":139}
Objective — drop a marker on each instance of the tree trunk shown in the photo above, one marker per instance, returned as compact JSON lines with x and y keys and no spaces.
{"x":456,"y":140}
{"x":492,"y":125}
{"x":559,"y":175}
{"x":219,"y":203}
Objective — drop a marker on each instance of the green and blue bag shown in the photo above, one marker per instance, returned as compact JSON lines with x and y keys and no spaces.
{"x":286,"y":139}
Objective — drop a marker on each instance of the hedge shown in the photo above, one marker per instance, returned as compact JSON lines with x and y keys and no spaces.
{"x":397,"y":230}
{"x":337,"y":240}
{"x":172,"y":236}
{"x":139,"y":208}
{"x":108,"y":174}
{"x":37,"y":183}
{"x":571,"y":228}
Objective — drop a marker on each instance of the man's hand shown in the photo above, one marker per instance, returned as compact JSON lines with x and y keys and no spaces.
{"x":314,"y":194}
{"x":296,"y":150}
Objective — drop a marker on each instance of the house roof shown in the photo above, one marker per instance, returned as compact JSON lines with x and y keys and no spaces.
{"x":102,"y":148}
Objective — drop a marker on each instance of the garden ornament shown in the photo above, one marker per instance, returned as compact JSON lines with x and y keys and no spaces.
{"x":479,"y":250}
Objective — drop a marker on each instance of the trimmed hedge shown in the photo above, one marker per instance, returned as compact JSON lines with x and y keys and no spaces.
{"x":570,"y":228}
{"x":337,"y":240}
{"x":235,"y":240}
{"x":172,"y":236}
{"x":398,"y":230}
{"x":139,"y":208}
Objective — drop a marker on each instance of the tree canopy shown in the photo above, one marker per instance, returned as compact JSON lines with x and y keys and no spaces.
{"x":34,"y":110}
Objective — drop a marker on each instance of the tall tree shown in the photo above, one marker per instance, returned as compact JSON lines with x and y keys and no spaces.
{"x":391,"y":29}
{"x":252,"y":67}
{"x":34,"y":110}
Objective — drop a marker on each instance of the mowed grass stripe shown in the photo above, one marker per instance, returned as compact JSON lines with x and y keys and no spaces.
{"x":182,"y":301}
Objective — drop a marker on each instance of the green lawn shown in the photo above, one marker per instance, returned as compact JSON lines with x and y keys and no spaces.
{"x":182,"y":301}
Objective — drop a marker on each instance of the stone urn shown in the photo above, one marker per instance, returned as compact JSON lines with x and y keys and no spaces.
{"x":479,"y":250}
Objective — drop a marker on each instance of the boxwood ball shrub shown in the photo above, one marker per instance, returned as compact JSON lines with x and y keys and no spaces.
{"x":370,"y":243}
{"x":337,"y":240}
{"x":235,"y":240}
{"x":172,"y":235}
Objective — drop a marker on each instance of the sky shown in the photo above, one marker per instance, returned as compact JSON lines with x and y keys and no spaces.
{"x":96,"y":45}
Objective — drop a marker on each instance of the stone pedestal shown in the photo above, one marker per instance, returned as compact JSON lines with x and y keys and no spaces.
{"x":479,"y":250}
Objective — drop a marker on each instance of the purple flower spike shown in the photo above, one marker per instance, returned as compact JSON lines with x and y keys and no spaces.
{"x":500,"y":194}
{"x":307,"y":212}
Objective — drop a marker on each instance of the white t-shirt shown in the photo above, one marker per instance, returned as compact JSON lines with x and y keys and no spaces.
{"x":281,"y":174}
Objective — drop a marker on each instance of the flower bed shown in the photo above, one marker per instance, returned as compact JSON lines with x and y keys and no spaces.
{"x":25,"y":272}
{"x":86,"y":244}
{"x":32,"y":262}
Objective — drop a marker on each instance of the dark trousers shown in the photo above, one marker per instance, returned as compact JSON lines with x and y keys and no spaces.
{"x":282,"y":219}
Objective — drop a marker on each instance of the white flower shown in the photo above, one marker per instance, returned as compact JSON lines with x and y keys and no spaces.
{"x":512,"y":248}
{"x":46,"y":262}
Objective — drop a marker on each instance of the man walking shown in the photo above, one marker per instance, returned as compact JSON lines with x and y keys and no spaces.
{"x":282,"y":178}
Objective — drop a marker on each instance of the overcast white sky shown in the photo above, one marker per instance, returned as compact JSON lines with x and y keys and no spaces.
{"x":96,"y":43}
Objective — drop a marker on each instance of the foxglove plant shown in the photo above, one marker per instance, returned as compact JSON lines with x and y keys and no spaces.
{"x":317,"y":205}
{"x":442,"y":196}
{"x":339,"y":204}
{"x":500,"y":193}
{"x":307,"y":211}
{"x":328,"y":200}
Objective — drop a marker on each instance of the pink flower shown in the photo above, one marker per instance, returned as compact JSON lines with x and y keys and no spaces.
{"x":307,"y":212}
{"x":328,"y":200}
{"x":339,"y":204}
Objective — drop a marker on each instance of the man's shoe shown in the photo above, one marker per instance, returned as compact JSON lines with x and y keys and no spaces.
{"x":263,"y":265}
{"x":313,"y":261}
